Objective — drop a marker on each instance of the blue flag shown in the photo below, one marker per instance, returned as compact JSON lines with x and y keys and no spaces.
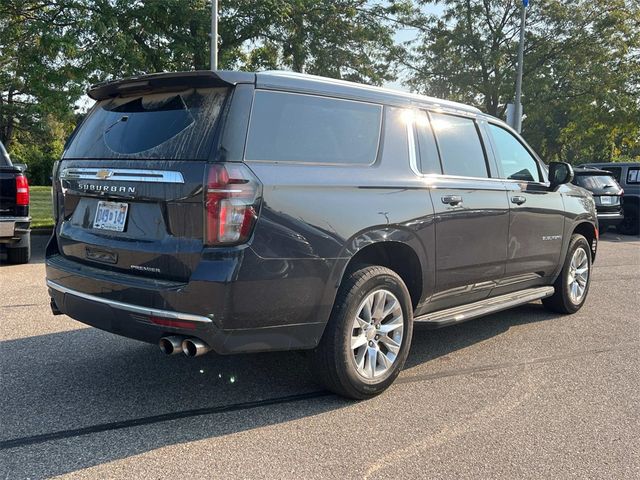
{"x":525,"y":3}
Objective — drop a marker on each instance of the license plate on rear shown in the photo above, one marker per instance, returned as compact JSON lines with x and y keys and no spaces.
{"x":111,"y":216}
{"x":7,"y":228}
{"x":606,"y":200}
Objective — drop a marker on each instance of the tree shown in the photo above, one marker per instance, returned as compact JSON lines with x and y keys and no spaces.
{"x":39,"y":74}
{"x":339,"y":38}
{"x":582,"y":68}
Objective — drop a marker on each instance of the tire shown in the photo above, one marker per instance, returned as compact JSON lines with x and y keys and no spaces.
{"x":350,"y":372}
{"x":22,"y":254}
{"x":630,"y":225}
{"x":565,"y":299}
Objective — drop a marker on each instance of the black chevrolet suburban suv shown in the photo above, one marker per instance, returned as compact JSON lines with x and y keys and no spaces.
{"x":247,"y":212}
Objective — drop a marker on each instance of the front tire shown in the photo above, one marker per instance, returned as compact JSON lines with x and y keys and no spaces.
{"x":572,"y":285}
{"x":367,"y":339}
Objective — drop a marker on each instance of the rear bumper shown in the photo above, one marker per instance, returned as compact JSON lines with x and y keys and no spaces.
{"x":607,"y":219}
{"x":134,"y":321}
{"x":217,"y":306}
{"x":13,"y":229}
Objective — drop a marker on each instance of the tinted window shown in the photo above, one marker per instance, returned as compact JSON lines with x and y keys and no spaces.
{"x":460,"y":148}
{"x":429,"y":158}
{"x":633,"y":176}
{"x":4,"y":157}
{"x":304,"y":128}
{"x":616,"y":171}
{"x":169,"y":125}
{"x":595,"y":182}
{"x":517,"y":163}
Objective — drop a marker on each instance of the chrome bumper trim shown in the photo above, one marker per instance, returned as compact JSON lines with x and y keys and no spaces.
{"x":129,"y":307}
{"x":15,"y":219}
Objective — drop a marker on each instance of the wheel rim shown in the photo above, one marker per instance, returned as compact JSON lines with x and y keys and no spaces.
{"x":578,"y":275}
{"x":377,"y":332}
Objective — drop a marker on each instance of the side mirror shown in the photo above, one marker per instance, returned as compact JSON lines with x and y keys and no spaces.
{"x":559,"y":174}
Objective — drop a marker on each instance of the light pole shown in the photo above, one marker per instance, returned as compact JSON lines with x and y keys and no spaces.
{"x":517,"y":114}
{"x":214,"y":34}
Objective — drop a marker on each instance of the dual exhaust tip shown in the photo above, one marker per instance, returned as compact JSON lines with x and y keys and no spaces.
{"x":191,"y":347}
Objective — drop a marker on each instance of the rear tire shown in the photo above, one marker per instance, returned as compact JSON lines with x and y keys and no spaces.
{"x":367,"y":338}
{"x":630,"y":225}
{"x":572,"y":285}
{"x":22,"y":254}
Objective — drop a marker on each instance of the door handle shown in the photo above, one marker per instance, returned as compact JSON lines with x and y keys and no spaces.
{"x":518,"y":199}
{"x":452,"y":199}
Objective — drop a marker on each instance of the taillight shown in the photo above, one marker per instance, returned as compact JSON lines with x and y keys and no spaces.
{"x":232,"y":200}
{"x":22,"y":191}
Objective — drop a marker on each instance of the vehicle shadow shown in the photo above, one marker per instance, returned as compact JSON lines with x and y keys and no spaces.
{"x":87,"y":378}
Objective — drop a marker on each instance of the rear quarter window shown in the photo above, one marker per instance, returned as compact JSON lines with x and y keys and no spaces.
{"x":289,"y":127}
{"x":633,"y":175}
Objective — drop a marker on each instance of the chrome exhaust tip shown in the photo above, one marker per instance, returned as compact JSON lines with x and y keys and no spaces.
{"x":171,"y":345}
{"x":193,"y":347}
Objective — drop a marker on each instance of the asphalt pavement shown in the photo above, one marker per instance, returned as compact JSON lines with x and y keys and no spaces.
{"x":521,"y":394}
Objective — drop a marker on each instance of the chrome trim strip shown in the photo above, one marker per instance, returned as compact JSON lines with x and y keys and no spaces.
{"x":129,"y":307}
{"x":15,"y":219}
{"x":121,"y":175}
{"x":463,"y":313}
{"x":411,"y":141}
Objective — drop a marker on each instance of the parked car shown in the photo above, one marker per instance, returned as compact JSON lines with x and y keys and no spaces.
{"x":627,"y":174}
{"x":244,"y":212}
{"x":606,"y":192}
{"x":15,"y":223}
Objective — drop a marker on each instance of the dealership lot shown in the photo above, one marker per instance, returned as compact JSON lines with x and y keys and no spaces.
{"x":524,"y":393}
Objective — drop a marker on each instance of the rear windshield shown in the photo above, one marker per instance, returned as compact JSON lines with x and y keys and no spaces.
{"x":168,"y":125}
{"x":596,"y":182}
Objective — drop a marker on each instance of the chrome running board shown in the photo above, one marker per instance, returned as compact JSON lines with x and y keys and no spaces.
{"x":461,"y":314}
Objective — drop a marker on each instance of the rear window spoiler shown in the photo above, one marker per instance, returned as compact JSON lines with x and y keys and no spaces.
{"x":169,"y":81}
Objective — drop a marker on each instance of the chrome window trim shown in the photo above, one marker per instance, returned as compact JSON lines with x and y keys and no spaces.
{"x":129,"y":307}
{"x":122,"y":175}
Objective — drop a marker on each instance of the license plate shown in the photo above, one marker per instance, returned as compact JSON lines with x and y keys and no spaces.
{"x":7,"y":228}
{"x":111,"y":216}
{"x":606,"y":200}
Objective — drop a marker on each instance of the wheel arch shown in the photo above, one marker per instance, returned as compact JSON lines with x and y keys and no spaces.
{"x":396,"y":256}
{"x":589,"y":231}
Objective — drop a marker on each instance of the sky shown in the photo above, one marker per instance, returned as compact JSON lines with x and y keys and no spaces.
{"x":407,"y":34}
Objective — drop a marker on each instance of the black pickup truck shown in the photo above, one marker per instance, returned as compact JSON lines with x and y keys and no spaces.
{"x":15,"y":233}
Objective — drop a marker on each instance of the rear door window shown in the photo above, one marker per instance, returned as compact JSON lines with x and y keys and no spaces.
{"x":460,"y":147}
{"x":516,"y":162}
{"x":168,"y":126}
{"x":633,"y":176}
{"x":289,"y":127}
{"x":427,"y":148}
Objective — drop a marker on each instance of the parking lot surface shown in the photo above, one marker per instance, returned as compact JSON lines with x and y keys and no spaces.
{"x":524,"y":393}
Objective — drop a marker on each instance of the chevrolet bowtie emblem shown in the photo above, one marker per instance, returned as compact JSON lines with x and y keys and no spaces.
{"x":103,"y":174}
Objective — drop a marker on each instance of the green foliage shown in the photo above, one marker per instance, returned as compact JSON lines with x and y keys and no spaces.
{"x":51,"y":50}
{"x":581,"y":85}
{"x":40,"y":207}
{"x":582,"y":67}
